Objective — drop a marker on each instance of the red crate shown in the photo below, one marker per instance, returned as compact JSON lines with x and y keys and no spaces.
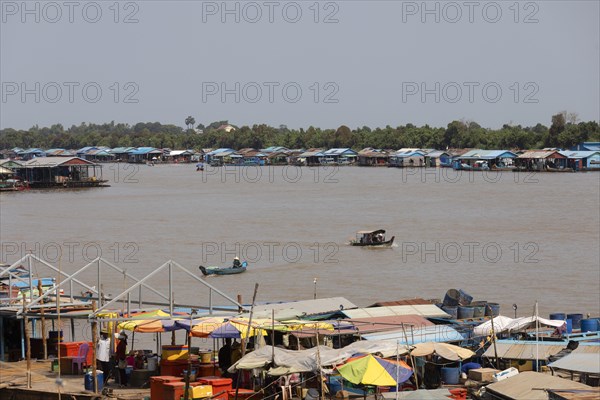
{"x":173,"y":368}
{"x":175,"y":390}
{"x":157,"y":388}
{"x":219,"y":385}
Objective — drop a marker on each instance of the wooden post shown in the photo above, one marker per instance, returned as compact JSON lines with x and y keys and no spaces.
{"x":494,"y":337}
{"x":412,"y":360}
{"x":239,"y":300}
{"x":237,"y":380}
{"x":44,"y":342}
{"x":94,"y":347}
{"x":27,"y":342}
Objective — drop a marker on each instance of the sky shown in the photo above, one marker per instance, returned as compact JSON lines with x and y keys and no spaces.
{"x":302,"y":63}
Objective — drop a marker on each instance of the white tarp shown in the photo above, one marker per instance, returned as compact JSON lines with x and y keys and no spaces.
{"x":291,"y":361}
{"x":506,"y":324}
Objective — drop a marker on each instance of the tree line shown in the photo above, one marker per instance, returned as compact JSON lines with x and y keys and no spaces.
{"x":564,"y":131}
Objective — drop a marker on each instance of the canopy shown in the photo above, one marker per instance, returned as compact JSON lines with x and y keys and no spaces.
{"x":444,"y":350}
{"x":291,"y":361}
{"x":373,"y":370}
{"x":204,"y":327}
{"x":579,"y":362}
{"x":144,"y":323}
{"x":506,"y":324}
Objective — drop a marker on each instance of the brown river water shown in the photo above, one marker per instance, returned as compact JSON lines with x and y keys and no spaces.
{"x":503,"y":237}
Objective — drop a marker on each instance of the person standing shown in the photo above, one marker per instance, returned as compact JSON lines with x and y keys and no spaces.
{"x":121,"y":356}
{"x":225,"y":358}
{"x":103,"y":355}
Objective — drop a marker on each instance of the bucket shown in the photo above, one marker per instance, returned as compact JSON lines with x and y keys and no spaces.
{"x":152,"y":363}
{"x":465,"y":312}
{"x":589,"y":325}
{"x":450,"y":376}
{"x":452,"y":297}
{"x":569,"y":325}
{"x":478,"y":308}
{"x":478,"y":311}
{"x":205,"y":357}
{"x":312,"y":394}
{"x":452,"y":310}
{"x":464,"y":299}
{"x":576,"y":318}
{"x":88,"y":380}
{"x":558,"y":316}
{"x":492,"y":309}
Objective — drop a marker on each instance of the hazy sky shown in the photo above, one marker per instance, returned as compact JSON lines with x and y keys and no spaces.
{"x":301,"y":63}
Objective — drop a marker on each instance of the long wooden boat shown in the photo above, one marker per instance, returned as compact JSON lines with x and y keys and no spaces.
{"x":223,"y":270}
{"x":372,"y":238}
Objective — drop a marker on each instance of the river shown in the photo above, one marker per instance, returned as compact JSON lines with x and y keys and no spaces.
{"x":511,"y":238}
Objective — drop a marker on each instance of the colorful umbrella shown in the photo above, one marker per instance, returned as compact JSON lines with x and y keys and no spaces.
{"x":143,"y":322}
{"x":227,"y":327}
{"x":376,"y":371}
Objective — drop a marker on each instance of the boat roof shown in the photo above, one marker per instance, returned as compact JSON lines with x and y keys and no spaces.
{"x":368,"y":232}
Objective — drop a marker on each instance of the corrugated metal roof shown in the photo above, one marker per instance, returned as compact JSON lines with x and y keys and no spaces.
{"x":437,"y":153}
{"x":338,"y":151}
{"x":578,"y":154}
{"x":574,"y":394}
{"x":424,"y":310}
{"x":538,"y":154}
{"x":382,"y":324}
{"x":54,"y":161}
{"x":299,"y":309}
{"x":513,"y":350}
{"x":145,"y":150}
{"x":122,"y":150}
{"x":580,"y":362}
{"x":181,"y":152}
{"x":435,"y":333}
{"x":487,"y":154}
{"x":531,"y":386}
{"x":401,"y":302}
{"x":312,"y":153}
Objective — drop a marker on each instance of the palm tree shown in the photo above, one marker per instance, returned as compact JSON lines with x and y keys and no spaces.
{"x":190,"y":121}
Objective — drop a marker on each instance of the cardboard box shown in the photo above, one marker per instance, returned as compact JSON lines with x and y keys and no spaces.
{"x":482,"y":374}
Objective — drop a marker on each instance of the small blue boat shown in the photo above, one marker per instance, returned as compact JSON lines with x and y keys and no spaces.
{"x":223,"y":270}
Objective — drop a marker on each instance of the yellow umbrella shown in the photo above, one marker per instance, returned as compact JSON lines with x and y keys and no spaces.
{"x":205,"y":326}
{"x":144,"y":322}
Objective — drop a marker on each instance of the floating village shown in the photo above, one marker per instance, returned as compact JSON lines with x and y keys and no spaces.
{"x":62,"y":335}
{"x":54,"y":168}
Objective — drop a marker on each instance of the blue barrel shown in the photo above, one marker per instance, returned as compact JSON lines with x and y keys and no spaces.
{"x":450,"y":376}
{"x":589,"y":325}
{"x":465,"y":312}
{"x":569,"y":325}
{"x":452,"y":310}
{"x":88,"y":382}
{"x":576,"y":318}
{"x":492,"y":309}
{"x":558,"y":316}
{"x":451,"y":298}
{"x":464,"y":299}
